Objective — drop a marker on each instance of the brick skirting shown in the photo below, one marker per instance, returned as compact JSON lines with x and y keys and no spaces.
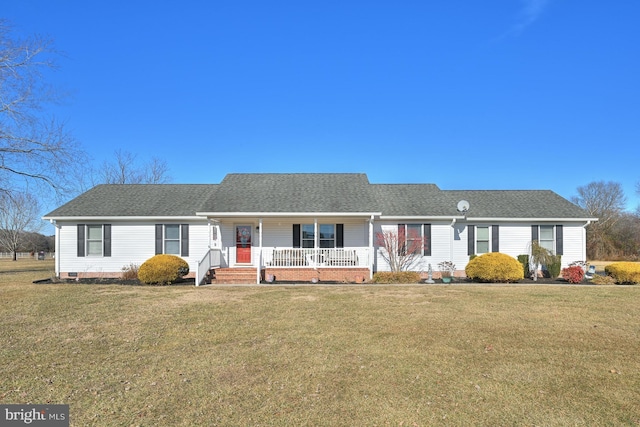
{"x":343,"y":275}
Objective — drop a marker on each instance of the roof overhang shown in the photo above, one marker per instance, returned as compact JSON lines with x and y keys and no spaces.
{"x":121,"y":218}
{"x":530,"y":220}
{"x":419,"y":217}
{"x":286,"y":214}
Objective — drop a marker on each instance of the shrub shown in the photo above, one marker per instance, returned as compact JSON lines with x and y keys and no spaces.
{"x":554,"y":267}
{"x":163,"y":269}
{"x":390,"y":277}
{"x":573,"y":274}
{"x":624,"y":272}
{"x":130,"y":272}
{"x":494,"y":267}
{"x":602,"y":280}
{"x":524,"y":260}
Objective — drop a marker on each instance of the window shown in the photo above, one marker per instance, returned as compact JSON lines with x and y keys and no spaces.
{"x":326,"y":236}
{"x":482,"y":240}
{"x":546,"y":237}
{"x":172,"y":239}
{"x":94,"y":240}
{"x":414,"y":238}
{"x":549,"y":237}
{"x":329,"y":236}
{"x":308,"y":236}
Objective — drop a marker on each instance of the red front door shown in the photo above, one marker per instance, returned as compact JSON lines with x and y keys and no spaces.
{"x":243,"y":244}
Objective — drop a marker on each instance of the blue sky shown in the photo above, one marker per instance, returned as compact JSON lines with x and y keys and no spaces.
{"x":499,"y":94}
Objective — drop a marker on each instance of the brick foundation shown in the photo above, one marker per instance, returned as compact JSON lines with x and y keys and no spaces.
{"x":105,"y":275}
{"x":342,"y":275}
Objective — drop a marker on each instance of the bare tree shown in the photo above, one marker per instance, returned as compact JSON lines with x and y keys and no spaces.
{"x":605,"y":201}
{"x":126,"y":170}
{"x":638,"y":193}
{"x":401,"y":251}
{"x":19,"y":214}
{"x":36,"y":150}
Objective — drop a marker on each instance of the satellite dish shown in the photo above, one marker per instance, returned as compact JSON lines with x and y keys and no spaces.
{"x":463,"y":206}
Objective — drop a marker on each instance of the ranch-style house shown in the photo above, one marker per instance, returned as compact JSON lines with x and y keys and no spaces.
{"x":257,"y":228}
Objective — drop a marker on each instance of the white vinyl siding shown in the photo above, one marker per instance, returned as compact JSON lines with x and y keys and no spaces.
{"x":132,"y":242}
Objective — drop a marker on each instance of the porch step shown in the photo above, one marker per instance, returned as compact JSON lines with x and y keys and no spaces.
{"x":234,"y":276}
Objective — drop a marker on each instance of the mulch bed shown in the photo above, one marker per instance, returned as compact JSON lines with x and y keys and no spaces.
{"x":191,"y":282}
{"x":110,"y":281}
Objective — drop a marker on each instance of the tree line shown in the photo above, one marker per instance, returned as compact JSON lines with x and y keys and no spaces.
{"x":616,"y":234}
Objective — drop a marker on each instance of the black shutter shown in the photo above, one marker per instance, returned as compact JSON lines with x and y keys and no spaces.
{"x":81,"y":240}
{"x":184,"y":240}
{"x":296,"y":235}
{"x":495,"y":238}
{"x":339,"y":235}
{"x":159,"y":238}
{"x":401,"y":239}
{"x":106,"y":242}
{"x":534,"y":232}
{"x":559,"y":240}
{"x":471,"y":239}
{"x":427,"y":240}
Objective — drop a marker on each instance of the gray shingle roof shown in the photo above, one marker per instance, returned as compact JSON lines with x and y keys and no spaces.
{"x":311,"y":193}
{"x":517,"y":204}
{"x":138,"y":200}
{"x":413,"y":199}
{"x":303,"y":192}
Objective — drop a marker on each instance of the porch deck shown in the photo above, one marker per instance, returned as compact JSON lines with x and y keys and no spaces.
{"x":293,"y":264}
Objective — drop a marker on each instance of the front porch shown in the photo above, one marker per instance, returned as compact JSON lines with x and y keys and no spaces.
{"x":271,"y":264}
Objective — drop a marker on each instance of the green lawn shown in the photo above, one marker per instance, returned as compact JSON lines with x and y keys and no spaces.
{"x":334,"y":355}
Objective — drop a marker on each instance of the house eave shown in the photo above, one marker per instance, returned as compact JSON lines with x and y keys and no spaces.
{"x":420,"y":217}
{"x":529,"y":220}
{"x":121,"y":218}
{"x":286,"y":214}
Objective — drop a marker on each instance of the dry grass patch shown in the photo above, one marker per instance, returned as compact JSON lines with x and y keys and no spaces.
{"x":335,"y":355}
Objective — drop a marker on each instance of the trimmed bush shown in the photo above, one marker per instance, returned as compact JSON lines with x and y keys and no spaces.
{"x":627,"y":273}
{"x":163,"y":269}
{"x":389,"y":277}
{"x":494,"y":267}
{"x":573,"y":274}
{"x":555,"y":266}
{"x":524,"y":260}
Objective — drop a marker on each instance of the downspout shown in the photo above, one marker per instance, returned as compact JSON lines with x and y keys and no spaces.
{"x":57,"y":248}
{"x":584,"y":240}
{"x":452,"y":239}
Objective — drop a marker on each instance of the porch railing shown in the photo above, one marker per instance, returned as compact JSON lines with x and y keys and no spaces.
{"x":315,"y":257}
{"x":210,"y":260}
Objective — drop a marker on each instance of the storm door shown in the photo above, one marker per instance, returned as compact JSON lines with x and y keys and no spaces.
{"x":243,"y":244}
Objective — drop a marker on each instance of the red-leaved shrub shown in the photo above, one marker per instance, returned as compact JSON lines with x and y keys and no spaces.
{"x":573,"y":274}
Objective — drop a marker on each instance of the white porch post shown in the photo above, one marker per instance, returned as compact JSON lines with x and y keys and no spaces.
{"x":371,"y":250}
{"x":259,"y":269}
{"x":316,"y":239}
